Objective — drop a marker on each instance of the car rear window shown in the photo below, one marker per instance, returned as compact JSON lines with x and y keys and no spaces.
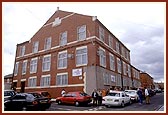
{"x":114,"y":94}
{"x":45,"y":94}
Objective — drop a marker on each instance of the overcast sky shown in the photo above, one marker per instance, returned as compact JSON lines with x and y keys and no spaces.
{"x":140,"y":26}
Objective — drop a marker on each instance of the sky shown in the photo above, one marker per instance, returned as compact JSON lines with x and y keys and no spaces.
{"x":139,"y":26}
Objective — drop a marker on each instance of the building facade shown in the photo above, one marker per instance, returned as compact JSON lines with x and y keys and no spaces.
{"x":73,"y":52}
{"x":146,"y":80}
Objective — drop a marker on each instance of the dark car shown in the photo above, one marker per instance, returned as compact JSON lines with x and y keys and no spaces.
{"x":27,"y":101}
{"x":75,"y":98}
{"x":8,"y":94}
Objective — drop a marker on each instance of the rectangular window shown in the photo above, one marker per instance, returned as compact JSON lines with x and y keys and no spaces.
{"x":35,"y":47}
{"x":45,"y":81}
{"x":124,"y":68}
{"x":24,"y":66}
{"x":110,"y":41}
{"x":106,"y":79}
{"x":63,"y":38}
{"x":62,"y":60}
{"x":16,"y":68}
{"x":117,"y":47}
{"x":123,"y":51}
{"x":112,"y":62}
{"x":47,"y":44}
{"x":22,"y":50}
{"x":62,"y":79}
{"x":81,"y":56}
{"x":33,"y":65}
{"x":119,"y":65}
{"x":102,"y":56}
{"x":46,"y":63}
{"x":81,"y":32}
{"x":32,"y":82}
{"x":129,"y":71}
{"x":101,"y":34}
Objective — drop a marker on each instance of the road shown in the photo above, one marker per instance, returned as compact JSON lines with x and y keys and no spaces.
{"x":156,"y":102}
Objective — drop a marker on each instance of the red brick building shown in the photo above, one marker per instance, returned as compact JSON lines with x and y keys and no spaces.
{"x":146,"y":80}
{"x":74,"y":52}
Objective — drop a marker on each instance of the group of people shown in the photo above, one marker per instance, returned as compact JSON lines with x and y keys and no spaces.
{"x":97,"y":97}
{"x":141,"y":94}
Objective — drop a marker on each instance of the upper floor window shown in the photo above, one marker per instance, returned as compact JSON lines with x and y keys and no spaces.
{"x":119,"y":65}
{"x":32,"y":81}
{"x":129,"y":71}
{"x":62,"y":59}
{"x":63,"y":38}
{"x":47,"y":44}
{"x":16,"y":68}
{"x":112,"y":62}
{"x":35,"y":46}
{"x":22,"y":50}
{"x":33,"y":65}
{"x":117,"y":47}
{"x":45,"y":80}
{"x":102,"y":55}
{"x":24,"y":66}
{"x":110,"y":41}
{"x":81,"y":32}
{"x":101,"y":34}
{"x":46,"y":63}
{"x":124,"y":68}
{"x":81,"y":56}
{"x":62,"y":79}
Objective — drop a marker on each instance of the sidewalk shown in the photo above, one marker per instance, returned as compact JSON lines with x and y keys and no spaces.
{"x":161,"y":108}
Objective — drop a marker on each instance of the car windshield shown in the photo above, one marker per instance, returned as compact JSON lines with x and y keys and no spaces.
{"x":130,"y":92}
{"x":114,"y":94}
{"x":9,"y":93}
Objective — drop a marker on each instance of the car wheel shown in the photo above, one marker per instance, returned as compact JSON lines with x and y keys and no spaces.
{"x":59,"y":102}
{"x":122,"y":104}
{"x":76,"y":103}
{"x":108,"y":106}
{"x":130,"y":102}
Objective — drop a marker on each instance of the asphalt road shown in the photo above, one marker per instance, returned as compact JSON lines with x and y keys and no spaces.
{"x":156,"y":102}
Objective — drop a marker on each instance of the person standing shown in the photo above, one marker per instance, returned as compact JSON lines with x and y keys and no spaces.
{"x":147,"y":96}
{"x":63,"y":92}
{"x":140,"y":95}
{"x":95,"y":97}
{"x":99,"y":97}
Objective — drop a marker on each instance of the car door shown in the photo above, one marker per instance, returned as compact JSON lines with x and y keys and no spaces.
{"x":18,"y":102}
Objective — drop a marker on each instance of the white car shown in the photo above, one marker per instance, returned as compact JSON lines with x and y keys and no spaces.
{"x":133,"y":94}
{"x":116,"y":98}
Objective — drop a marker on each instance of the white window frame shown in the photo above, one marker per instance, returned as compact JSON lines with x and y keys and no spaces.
{"x":81,"y":56}
{"x":64,"y":60}
{"x":34,"y":65}
{"x":35,"y":47}
{"x":102,"y":57}
{"x":46,"y":63}
{"x":112,"y":62}
{"x":117,"y":47}
{"x":110,"y":41}
{"x":47,"y":44}
{"x":63,"y":38}
{"x":16,"y":68}
{"x":22,"y":50}
{"x":45,"y":80}
{"x":106,"y":79}
{"x":63,"y":79}
{"x":124,"y":68}
{"x":119,"y":65}
{"x":32,"y":81}
{"x":101,"y":34}
{"x":81,"y":32}
{"x":24,"y":67}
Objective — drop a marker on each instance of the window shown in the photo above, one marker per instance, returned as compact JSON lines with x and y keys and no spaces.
{"x":112,"y":62}
{"x":22,"y":50}
{"x":16,"y":68}
{"x":124,"y":68}
{"x":129,"y":71}
{"x":45,"y":80}
{"x":81,"y":32}
{"x":47,"y":44}
{"x":35,"y":47}
{"x":106,"y":79}
{"x":46,"y":63}
{"x":32,"y":82}
{"x":62,"y":59}
{"x":63,"y":38}
{"x":123,"y":52}
{"x":119,"y":65}
{"x":110,"y":41}
{"x":102,"y":56}
{"x":62,"y":79}
{"x":24,"y":66}
{"x":117,"y":47}
{"x":113,"y":79}
{"x":33,"y":65}
{"x":101,"y":34}
{"x":81,"y":56}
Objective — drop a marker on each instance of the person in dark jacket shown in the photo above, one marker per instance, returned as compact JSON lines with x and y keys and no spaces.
{"x":95,"y":97}
{"x":139,"y":92}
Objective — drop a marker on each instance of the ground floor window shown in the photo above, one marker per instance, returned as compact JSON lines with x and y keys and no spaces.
{"x":45,"y":80}
{"x":62,"y":79}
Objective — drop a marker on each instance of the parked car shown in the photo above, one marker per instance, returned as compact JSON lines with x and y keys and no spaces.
{"x":75,"y":98}
{"x":8,"y":94}
{"x":43,"y":93}
{"x":133,"y":94}
{"x":116,"y":98}
{"x":27,"y":101}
